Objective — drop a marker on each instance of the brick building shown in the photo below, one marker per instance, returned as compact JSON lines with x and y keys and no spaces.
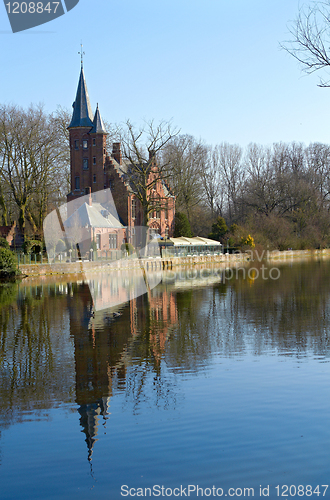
{"x":94,"y":170}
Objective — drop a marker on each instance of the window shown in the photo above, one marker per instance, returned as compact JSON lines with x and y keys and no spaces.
{"x":112,"y":241}
{"x":133,"y":208}
{"x":76,"y":144}
{"x":77,"y":183}
{"x":85,"y":163}
{"x":98,"y":241}
{"x":94,"y":142}
{"x":94,"y":179}
{"x":85,"y":144}
{"x":94,"y":160}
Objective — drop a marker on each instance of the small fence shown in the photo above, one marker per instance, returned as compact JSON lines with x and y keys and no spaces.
{"x":70,"y":256}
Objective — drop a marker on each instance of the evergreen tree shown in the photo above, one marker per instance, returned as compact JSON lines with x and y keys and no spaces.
{"x":182,"y":226}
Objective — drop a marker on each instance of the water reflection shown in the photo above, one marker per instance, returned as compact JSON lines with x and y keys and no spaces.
{"x":55,"y":348}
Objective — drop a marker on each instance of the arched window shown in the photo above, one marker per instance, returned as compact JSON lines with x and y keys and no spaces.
{"x":133,"y":208}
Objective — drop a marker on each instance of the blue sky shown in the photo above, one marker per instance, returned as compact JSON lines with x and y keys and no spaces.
{"x":213,"y":67}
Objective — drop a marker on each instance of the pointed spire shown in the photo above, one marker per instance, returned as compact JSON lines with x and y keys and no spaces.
{"x":82,"y":115}
{"x":98,"y":125}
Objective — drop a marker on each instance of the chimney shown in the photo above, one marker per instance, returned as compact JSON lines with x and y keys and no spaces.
{"x":116,"y":152}
{"x":88,"y":192}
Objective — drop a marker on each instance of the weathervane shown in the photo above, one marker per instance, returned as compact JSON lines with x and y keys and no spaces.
{"x":82,"y":55}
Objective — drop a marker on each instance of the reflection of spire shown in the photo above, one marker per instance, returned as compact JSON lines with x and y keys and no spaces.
{"x":89,"y":420}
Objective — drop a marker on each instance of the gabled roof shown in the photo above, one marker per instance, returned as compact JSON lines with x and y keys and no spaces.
{"x":82,"y":115}
{"x":89,"y":216}
{"x":124,"y":170}
{"x":98,"y":125}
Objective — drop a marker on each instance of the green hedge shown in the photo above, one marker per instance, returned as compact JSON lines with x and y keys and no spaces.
{"x":8,"y":263}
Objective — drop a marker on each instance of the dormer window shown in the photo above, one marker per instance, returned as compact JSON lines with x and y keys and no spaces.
{"x":85,"y":144}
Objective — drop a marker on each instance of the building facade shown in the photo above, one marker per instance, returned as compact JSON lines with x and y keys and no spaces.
{"x":93,"y":169}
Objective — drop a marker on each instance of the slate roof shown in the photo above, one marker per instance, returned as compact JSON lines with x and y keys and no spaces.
{"x":89,"y":216}
{"x":98,"y":125}
{"x":82,"y":115}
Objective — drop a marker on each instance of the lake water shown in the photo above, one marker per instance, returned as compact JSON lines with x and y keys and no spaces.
{"x":199,"y":388}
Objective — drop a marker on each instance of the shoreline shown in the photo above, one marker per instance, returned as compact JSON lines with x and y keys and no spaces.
{"x":159,"y":264}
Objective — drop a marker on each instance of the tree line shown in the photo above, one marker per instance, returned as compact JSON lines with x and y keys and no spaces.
{"x":280,"y":193}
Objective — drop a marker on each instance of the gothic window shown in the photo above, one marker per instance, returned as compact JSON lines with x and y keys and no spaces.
{"x":76,"y":144}
{"x":94,"y":160}
{"x":94,"y":179}
{"x":112,"y":241}
{"x":133,"y":208}
{"x":85,"y":163}
{"x":94,"y":142}
{"x":77,"y":183}
{"x":85,"y":144}
{"x":153,"y":211}
{"x":156,"y":207}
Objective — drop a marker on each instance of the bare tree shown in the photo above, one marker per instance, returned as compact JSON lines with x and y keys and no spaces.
{"x":232,"y":177}
{"x":212,"y":183}
{"x":145,"y":166}
{"x":186,"y":159}
{"x":32,"y":160}
{"x":310,"y":40}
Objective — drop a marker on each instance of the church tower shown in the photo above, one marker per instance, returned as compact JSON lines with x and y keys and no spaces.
{"x":87,"y":145}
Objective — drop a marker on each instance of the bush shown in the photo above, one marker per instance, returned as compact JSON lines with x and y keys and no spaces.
{"x":8,"y":263}
{"x":219,"y":229}
{"x":4,"y":243}
{"x":128,"y":248}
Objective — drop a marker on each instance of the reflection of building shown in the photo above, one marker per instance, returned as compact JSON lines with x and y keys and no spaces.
{"x":105,"y":347}
{"x":92,"y":169}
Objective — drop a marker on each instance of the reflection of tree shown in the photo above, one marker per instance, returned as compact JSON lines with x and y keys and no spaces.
{"x":191,"y":342}
{"x":293,"y":312}
{"x":8,"y":293}
{"x":141,"y":349}
{"x":34,"y":354}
